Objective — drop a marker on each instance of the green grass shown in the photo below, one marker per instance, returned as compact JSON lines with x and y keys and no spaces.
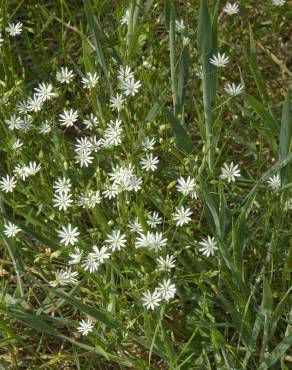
{"x":231,"y":310}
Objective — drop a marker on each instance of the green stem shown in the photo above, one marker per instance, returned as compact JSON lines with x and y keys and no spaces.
{"x":172,"y":55}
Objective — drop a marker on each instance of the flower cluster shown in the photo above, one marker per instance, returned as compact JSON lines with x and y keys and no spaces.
{"x":110,"y":185}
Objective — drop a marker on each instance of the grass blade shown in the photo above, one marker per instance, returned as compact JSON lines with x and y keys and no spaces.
{"x":96,"y":31}
{"x":104,"y":318}
{"x":285,"y":136}
{"x":170,"y":11}
{"x":183,"y":139}
{"x":277,"y":353}
{"x":207,"y":42}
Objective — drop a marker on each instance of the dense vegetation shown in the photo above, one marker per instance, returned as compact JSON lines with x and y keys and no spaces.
{"x":145,"y":184}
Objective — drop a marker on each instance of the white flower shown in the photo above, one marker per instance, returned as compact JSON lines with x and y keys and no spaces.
{"x":17,"y":145}
{"x":116,"y":240}
{"x":166,"y":290}
{"x":148,"y":143}
{"x":113,"y":133}
{"x":13,"y":122}
{"x":89,"y":200}
{"x":230,"y":172}
{"x":219,"y":60}
{"x":68,"y":235}
{"x":33,"y":168}
{"x":34,"y":104}
{"x":64,"y":75}
{"x":154,"y":219}
{"x":110,"y":191}
{"x":149,"y":163}
{"x":233,"y":89}
{"x":14,"y":29}
{"x":279,"y":2}
{"x":208,"y":246}
{"x":151,"y":240}
{"x":125,"y":18}
{"x":83,"y":157}
{"x":90,"y":121}
{"x":116,"y":102}
{"x":135,"y":183}
{"x":135,"y":226}
{"x":68,"y":117}
{"x":7,"y":184}
{"x":21,"y":171}
{"x":95,"y":259}
{"x":11,"y":230}
{"x":130,"y":86}
{"x":45,"y":92}
{"x":186,"y":40}
{"x":95,"y":143}
{"x":200,"y":72}
{"x":64,"y":277}
{"x":94,"y":198}
{"x":122,"y":177}
{"x":63,"y":201}
{"x":125,"y":73}
{"x":26,"y":124}
{"x":90,"y":80}
{"x":167,"y":263}
{"x":101,"y":254}
{"x":187,"y":187}
{"x":45,"y":128}
{"x":75,"y":256}
{"x":274,"y":182}
{"x":85,"y":327}
{"x":90,"y":263}
{"x":62,"y":185}
{"x":230,"y":8}
{"x":144,"y":240}
{"x":25,"y":171}
{"x":83,"y":143}
{"x":181,"y":216}
{"x":151,"y":300}
{"x":22,"y":107}
{"x":179,"y":25}
{"x":157,"y":242}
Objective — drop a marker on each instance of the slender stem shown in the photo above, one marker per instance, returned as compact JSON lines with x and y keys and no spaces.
{"x":208,"y":112}
{"x":172,"y":55}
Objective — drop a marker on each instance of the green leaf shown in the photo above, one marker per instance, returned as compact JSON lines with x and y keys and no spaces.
{"x":183,"y":74}
{"x":217,"y":338}
{"x":207,"y":43}
{"x":104,"y":318}
{"x":267,"y":302}
{"x":215,"y":26}
{"x":285,"y":136}
{"x":263,"y":113}
{"x":170,"y":11}
{"x":96,"y":31}
{"x":253,"y":64}
{"x":215,"y":220}
{"x":183,"y":139}
{"x":32,"y":233}
{"x":278,"y":312}
{"x":152,"y":114}
{"x":204,"y":35}
{"x":39,"y":323}
{"x":135,"y":31}
{"x":277,"y":353}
